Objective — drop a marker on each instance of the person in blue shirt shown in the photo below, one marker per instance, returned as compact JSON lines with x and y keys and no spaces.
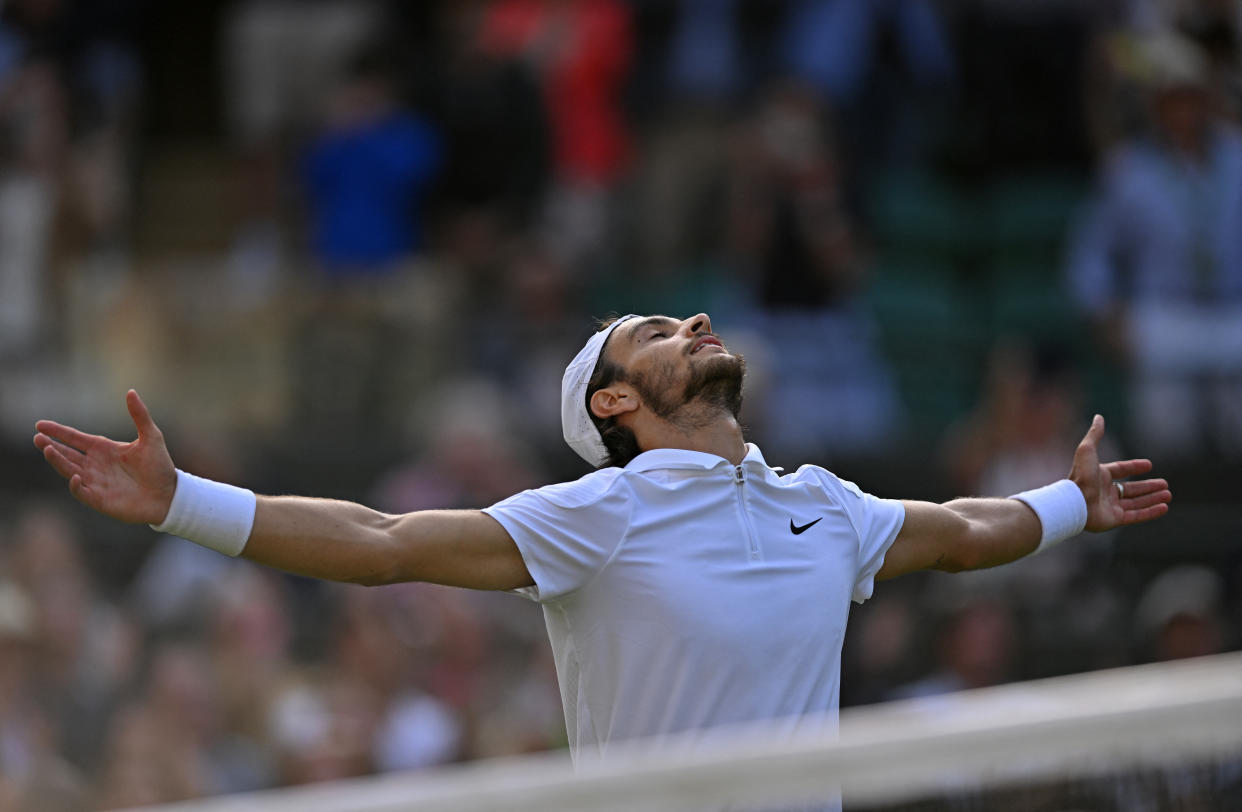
{"x":366,"y":176}
{"x":1156,"y":264}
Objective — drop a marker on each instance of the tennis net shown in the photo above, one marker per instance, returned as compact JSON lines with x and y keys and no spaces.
{"x":1156,"y":737}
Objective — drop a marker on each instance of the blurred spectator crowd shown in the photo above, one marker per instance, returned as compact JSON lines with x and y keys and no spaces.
{"x":349,"y":251}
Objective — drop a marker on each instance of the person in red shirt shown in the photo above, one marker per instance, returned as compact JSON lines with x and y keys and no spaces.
{"x":581,"y":52}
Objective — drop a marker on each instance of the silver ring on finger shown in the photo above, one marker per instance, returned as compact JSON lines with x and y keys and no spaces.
{"x":1121,"y":490}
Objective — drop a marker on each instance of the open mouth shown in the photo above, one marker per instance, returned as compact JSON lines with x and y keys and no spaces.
{"x":706,"y":341}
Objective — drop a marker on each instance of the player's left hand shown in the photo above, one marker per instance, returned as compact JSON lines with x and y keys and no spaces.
{"x":1111,"y":502}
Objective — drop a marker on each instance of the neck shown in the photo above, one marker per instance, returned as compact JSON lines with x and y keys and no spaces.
{"x":718,"y":434}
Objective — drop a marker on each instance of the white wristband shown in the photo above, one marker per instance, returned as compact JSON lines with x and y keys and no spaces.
{"x":210,"y":513}
{"x":1061,"y":509}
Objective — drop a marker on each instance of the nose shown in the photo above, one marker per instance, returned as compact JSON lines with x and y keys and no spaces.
{"x":698,"y":323}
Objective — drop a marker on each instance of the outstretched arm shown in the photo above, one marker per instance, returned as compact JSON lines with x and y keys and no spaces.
{"x":321,"y":538}
{"x":978,"y":533}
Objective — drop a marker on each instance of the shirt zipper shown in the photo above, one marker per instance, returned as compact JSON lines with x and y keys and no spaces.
{"x":752,"y":544}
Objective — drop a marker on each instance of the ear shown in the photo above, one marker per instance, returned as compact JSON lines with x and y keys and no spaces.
{"x":612,"y":401}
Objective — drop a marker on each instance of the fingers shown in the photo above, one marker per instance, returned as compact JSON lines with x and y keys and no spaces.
{"x":1126,"y":468}
{"x":1161,"y":497}
{"x":1144,"y":500}
{"x":80,"y":491}
{"x":42,"y":441}
{"x":66,"y":434}
{"x":1092,"y":438}
{"x":141,"y":417}
{"x":84,"y":493}
{"x":1145,"y":514}
{"x":1130,"y":490}
{"x":60,"y":462}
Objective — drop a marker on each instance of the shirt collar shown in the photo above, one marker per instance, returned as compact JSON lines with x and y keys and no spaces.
{"x":684,"y":458}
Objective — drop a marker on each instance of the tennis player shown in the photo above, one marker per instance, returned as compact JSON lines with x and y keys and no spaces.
{"x":686,"y":584}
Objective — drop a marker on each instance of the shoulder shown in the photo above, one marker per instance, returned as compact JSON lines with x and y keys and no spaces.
{"x":875,"y":521}
{"x":833,"y":485}
{"x":583,"y":492}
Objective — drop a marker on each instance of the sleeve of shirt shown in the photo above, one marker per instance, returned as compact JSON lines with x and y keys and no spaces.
{"x":877,"y":523}
{"x":566,"y":533}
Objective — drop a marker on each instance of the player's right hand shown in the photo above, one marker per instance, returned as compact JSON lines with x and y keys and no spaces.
{"x":133,"y":482}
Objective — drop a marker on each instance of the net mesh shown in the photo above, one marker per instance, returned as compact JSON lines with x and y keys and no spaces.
{"x":1158,"y":737}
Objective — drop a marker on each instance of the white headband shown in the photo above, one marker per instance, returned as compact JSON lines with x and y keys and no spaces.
{"x":576,"y":423}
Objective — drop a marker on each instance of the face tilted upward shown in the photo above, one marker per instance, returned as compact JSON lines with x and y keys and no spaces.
{"x":672,"y":364}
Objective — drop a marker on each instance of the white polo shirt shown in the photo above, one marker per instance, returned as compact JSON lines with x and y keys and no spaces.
{"x":683,"y":592}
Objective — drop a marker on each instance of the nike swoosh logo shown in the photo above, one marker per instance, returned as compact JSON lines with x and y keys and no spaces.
{"x":798,"y":530}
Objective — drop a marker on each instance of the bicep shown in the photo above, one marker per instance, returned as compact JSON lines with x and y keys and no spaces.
{"x":465,"y":548}
{"x":929,"y":539}
{"x":965,"y":534}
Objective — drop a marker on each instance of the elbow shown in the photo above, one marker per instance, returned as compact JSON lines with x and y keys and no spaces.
{"x":957,"y":560}
{"x":372,"y":579}
{"x":951,"y":564}
{"x":378,"y":562}
{"x":382,"y":572}
{"x":963,"y":554}
{"x":374,"y":571}
{"x":381,"y":569}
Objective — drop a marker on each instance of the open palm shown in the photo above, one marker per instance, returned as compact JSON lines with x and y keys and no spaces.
{"x":1108,"y":505}
{"x":133,"y":482}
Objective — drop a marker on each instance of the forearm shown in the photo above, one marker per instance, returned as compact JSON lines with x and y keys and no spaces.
{"x":976,"y":533}
{"x":343,"y":541}
{"x":999,"y":529}
{"x":993,"y":532}
{"x":322,"y":538}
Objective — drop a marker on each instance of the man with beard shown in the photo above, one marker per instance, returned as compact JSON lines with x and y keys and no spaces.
{"x":685,"y":584}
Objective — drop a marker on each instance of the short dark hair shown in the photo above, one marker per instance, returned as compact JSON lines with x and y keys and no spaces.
{"x":620,"y":441}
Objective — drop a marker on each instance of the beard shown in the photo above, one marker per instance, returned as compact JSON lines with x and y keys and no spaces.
{"x":714,"y":387}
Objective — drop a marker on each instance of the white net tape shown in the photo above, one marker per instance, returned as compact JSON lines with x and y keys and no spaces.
{"x":1164,"y":714}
